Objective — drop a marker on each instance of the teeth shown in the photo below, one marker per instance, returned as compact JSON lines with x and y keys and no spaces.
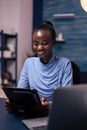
{"x":40,"y":52}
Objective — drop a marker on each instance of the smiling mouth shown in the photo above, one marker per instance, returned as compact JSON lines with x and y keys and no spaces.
{"x":40,"y":53}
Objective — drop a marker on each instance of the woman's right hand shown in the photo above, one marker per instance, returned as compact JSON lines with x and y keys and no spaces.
{"x":10,"y":107}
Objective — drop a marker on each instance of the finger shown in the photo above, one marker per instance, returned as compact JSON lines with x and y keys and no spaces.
{"x":43,"y":99}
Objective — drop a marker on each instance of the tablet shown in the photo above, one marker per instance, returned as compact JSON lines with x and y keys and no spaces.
{"x":23,"y":97}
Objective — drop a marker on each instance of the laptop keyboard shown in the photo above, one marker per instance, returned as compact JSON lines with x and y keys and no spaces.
{"x":38,"y":128}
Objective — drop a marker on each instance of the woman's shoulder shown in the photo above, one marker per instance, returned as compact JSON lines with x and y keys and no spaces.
{"x":31,"y":59}
{"x":63,"y":62}
{"x":62,"y":59}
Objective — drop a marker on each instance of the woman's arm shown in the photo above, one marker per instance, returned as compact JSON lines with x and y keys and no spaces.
{"x":67,"y":79}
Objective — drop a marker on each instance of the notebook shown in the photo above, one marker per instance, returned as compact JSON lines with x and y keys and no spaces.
{"x":69,"y":108}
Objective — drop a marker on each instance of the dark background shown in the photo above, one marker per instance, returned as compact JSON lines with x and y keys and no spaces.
{"x":74,"y":30}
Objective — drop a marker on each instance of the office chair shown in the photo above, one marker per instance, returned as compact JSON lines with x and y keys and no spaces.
{"x":76,"y":73}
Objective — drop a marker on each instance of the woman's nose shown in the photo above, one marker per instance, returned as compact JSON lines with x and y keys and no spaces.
{"x":40,"y":47}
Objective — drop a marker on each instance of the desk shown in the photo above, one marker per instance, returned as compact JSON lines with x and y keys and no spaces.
{"x":9,"y":121}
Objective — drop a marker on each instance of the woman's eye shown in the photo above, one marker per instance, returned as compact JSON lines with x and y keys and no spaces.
{"x":44,"y":42}
{"x":35,"y":43}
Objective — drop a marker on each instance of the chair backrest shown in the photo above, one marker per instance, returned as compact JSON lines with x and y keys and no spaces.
{"x":76,"y":73}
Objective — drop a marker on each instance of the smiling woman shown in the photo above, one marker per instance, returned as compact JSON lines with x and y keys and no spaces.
{"x":45,"y":71}
{"x":43,"y":41}
{"x":84,"y":4}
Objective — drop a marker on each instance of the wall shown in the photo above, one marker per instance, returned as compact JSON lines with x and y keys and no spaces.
{"x":74,"y":31}
{"x":25,"y":31}
{"x":16,"y":17}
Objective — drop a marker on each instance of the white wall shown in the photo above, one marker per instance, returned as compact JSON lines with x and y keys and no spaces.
{"x":16,"y":16}
{"x":9,"y":15}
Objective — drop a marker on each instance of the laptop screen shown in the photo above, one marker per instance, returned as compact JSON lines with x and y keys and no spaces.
{"x":69,"y":109}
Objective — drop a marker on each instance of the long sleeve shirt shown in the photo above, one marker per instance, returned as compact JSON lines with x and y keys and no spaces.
{"x":46,"y":77}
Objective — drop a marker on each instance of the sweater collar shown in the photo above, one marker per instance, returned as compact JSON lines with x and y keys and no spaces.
{"x":52,"y":59}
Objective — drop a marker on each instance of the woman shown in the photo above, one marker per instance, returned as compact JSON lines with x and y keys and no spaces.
{"x":46,"y":71}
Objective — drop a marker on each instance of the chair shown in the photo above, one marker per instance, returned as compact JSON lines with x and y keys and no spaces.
{"x":76,"y":73}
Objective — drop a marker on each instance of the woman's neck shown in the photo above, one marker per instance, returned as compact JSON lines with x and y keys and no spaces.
{"x":46,"y":60}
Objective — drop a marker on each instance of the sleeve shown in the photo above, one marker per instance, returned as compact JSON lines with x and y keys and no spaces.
{"x":67,"y":79}
{"x":23,"y":81}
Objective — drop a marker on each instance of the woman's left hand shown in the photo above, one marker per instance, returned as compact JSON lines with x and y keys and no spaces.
{"x":44,"y":102}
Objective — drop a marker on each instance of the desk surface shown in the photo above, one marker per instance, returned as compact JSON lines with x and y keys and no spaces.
{"x":9,"y":121}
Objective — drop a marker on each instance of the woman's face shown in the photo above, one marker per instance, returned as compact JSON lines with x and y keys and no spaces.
{"x":43,"y":44}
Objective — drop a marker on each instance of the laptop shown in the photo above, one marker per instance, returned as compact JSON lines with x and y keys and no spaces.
{"x":39,"y":123}
{"x":69,"y":108}
{"x":68,"y":111}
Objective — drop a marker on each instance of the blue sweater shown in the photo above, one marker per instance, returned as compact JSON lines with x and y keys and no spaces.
{"x":45,"y":77}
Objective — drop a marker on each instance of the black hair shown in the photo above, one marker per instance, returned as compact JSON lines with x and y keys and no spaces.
{"x":47,"y":25}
